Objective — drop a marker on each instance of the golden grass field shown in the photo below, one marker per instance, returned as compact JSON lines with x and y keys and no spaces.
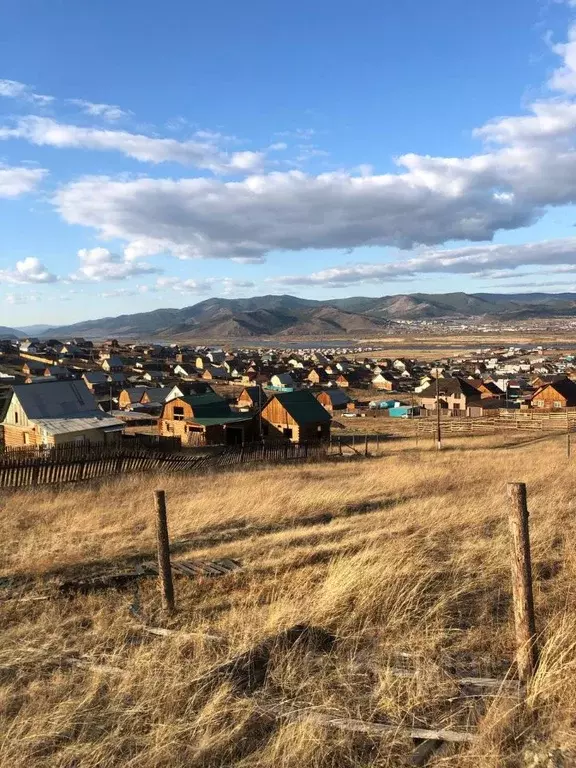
{"x":406,"y":553}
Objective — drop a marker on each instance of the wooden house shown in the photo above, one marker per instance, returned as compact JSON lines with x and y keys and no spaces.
{"x":212,"y":372}
{"x":282,"y":381}
{"x":252,"y":397}
{"x":335,"y":399}
{"x":205,"y":420}
{"x":559,"y":394}
{"x":55,"y":413}
{"x":455,"y":394}
{"x":318,"y":376}
{"x":96,"y":381}
{"x":113,"y":364}
{"x":383,"y":381}
{"x":34,"y":368}
{"x":295,"y":416}
{"x":133,"y":396}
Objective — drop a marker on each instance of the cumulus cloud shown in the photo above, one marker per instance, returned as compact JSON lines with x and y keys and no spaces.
{"x":494,"y":261}
{"x":100,"y":264}
{"x":43,"y":131}
{"x":16,"y":181}
{"x":29,"y":270}
{"x":109,"y":112}
{"x":13,"y":89}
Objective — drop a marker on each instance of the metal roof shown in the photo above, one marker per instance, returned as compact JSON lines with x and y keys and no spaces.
{"x":96,"y":420}
{"x":53,"y":400}
{"x":209,"y":421}
{"x":302,"y":406}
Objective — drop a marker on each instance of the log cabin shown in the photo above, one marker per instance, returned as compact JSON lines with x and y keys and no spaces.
{"x":205,"y":420}
{"x":335,"y":399}
{"x":55,"y":413}
{"x":560,"y":394}
{"x":296,"y":416}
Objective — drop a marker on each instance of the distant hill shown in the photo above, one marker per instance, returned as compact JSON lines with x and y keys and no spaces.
{"x":34,"y":330}
{"x":10,"y":333}
{"x":284,"y":316}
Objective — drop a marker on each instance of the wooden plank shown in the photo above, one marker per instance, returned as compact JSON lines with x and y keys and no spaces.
{"x":381,"y":729}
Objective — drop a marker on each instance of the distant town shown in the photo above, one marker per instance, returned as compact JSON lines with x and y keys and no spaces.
{"x":54,"y":392}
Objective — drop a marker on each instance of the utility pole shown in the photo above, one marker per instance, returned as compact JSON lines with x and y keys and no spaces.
{"x":438,"y":426}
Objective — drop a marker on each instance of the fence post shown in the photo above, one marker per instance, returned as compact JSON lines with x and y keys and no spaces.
{"x":524,"y":619}
{"x":366,"y":445}
{"x":163,"y":544}
{"x":378,"y":443}
{"x":340,"y":445}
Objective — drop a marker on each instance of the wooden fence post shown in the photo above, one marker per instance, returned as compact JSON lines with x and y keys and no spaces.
{"x":163,"y":543}
{"x":524,"y":619}
{"x":378,"y":442}
{"x":340,"y":445}
{"x":366,"y":446}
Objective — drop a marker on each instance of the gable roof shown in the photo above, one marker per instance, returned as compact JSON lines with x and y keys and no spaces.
{"x":55,"y":399}
{"x":337,"y":396}
{"x":302,"y":406}
{"x":63,"y":406}
{"x":565,"y":387}
{"x":255,"y":393}
{"x":208,"y":405}
{"x":452,"y":386}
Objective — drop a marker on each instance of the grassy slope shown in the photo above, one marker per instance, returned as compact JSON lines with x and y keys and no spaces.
{"x":415,"y":559}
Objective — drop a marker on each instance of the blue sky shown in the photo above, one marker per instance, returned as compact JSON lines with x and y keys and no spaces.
{"x":155,"y":154}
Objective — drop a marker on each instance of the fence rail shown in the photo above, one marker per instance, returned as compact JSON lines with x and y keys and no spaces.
{"x":58,"y":466}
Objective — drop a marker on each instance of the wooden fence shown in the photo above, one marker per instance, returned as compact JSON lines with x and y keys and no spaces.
{"x":18,"y":471}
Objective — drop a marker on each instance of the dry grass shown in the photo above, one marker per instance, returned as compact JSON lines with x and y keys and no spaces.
{"x":407,"y":553}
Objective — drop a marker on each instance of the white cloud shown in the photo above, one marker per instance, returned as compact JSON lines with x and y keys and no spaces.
{"x":482,"y":261}
{"x":20,"y":298}
{"x":109,"y":112}
{"x":99,"y":264}
{"x":29,"y":270}
{"x":226,"y":286}
{"x":183,"y":286}
{"x":43,"y":131}
{"x":13,"y":89}
{"x":564,"y":78}
{"x":18,"y":181}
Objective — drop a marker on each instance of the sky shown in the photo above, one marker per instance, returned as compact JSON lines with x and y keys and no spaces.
{"x":157,"y":154}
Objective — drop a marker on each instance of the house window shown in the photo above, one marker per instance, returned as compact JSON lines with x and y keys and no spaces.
{"x":178,"y":412}
{"x":15,"y":417}
{"x":557,"y":404}
{"x":287,"y":432}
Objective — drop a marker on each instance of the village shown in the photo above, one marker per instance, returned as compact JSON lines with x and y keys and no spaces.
{"x":77,"y":391}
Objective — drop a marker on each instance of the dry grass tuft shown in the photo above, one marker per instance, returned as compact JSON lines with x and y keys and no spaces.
{"x":404,"y":559}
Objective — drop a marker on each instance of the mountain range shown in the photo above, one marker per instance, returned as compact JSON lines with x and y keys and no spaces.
{"x":285,"y":316}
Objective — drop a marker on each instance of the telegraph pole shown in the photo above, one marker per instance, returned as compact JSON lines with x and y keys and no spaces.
{"x":438,"y":426}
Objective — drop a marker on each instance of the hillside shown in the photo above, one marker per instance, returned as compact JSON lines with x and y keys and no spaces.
{"x":9,"y":333}
{"x":283,"y":315}
{"x":393,"y":568}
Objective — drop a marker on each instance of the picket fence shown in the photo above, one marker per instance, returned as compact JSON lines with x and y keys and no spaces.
{"x":20,"y":469}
